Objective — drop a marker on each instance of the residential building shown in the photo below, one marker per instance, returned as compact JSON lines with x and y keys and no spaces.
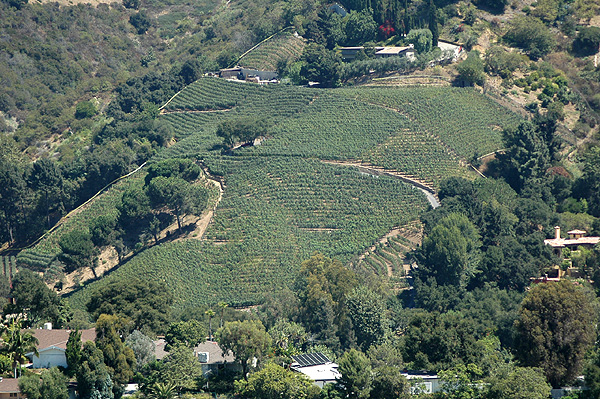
{"x":9,"y":388}
{"x":52,"y":346}
{"x":213,"y":358}
{"x":317,"y":367}
{"x":577,"y":238}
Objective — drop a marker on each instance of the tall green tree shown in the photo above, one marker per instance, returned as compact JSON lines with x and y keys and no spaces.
{"x":46,"y":177}
{"x":360,"y":27}
{"x":33,"y":297}
{"x":78,"y":250}
{"x":189,"y":333}
{"x":591,"y":180}
{"x":432,"y":23}
{"x":241,"y":130}
{"x":389,"y":383}
{"x":245,"y":339}
{"x":73,"y":352}
{"x":470,"y":71}
{"x":180,"y":368}
{"x":519,"y":383}
{"x":421,"y":39}
{"x":530,"y":34}
{"x":13,"y":190}
{"x":118,"y":358}
{"x":51,"y":385}
{"x":177,"y":195}
{"x":527,"y":155}
{"x":16,"y":343}
{"x":321,"y":65}
{"x":450,"y":253}
{"x":555,"y":328}
{"x":323,"y":286}
{"x":461,"y":382}
{"x":93,"y":377}
{"x":355,"y":369}
{"x":367,"y":311}
{"x":210,"y":313}
{"x":222,"y":306}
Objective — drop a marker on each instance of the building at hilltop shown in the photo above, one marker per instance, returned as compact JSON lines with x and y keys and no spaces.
{"x":253,"y":75}
{"x":349,"y":53}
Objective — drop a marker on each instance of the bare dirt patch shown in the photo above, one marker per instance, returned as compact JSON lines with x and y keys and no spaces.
{"x":107,"y":260}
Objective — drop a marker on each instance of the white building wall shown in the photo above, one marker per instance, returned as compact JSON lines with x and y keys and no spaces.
{"x":48,"y":358}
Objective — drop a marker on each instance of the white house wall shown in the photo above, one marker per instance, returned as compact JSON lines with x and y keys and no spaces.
{"x":50,"y":358}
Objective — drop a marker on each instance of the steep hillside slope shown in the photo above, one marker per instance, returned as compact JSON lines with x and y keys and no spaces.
{"x":281,"y":202}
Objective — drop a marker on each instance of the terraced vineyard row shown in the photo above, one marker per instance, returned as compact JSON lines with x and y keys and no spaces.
{"x":268,"y":101}
{"x":8,"y":266}
{"x":281,"y":202}
{"x":465,"y":120}
{"x":333,"y":127}
{"x":282,"y":47}
{"x":419,"y":155}
{"x":276,"y":212}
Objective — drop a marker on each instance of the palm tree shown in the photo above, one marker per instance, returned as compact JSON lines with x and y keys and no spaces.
{"x":222,"y":305}
{"x":210,"y":313}
{"x":17,"y":343}
{"x":161,"y":390}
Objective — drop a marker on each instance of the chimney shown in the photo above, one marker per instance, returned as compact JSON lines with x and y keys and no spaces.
{"x":47,"y":326}
{"x":557,"y":232}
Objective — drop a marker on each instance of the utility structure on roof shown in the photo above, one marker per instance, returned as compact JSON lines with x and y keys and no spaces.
{"x":317,"y":367}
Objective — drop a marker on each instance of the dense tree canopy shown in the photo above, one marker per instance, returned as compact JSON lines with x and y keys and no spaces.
{"x":34,"y":298}
{"x":321,"y":65}
{"x":245,"y":339}
{"x":531,"y":35}
{"x":51,"y":385}
{"x":145,"y":302}
{"x":276,"y":382}
{"x":93,"y":377}
{"x":555,"y":328}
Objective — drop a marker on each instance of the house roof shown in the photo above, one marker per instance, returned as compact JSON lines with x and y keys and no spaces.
{"x":58,"y":338}
{"x":392,"y":50}
{"x":9,"y":385}
{"x":215,"y":353}
{"x":577,"y":232}
{"x":571,"y":242}
{"x":159,"y":349}
{"x":316,"y":366}
{"x":413,"y":375}
{"x":320,"y":372}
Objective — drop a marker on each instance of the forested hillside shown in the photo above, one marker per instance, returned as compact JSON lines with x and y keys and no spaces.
{"x":391,"y":213}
